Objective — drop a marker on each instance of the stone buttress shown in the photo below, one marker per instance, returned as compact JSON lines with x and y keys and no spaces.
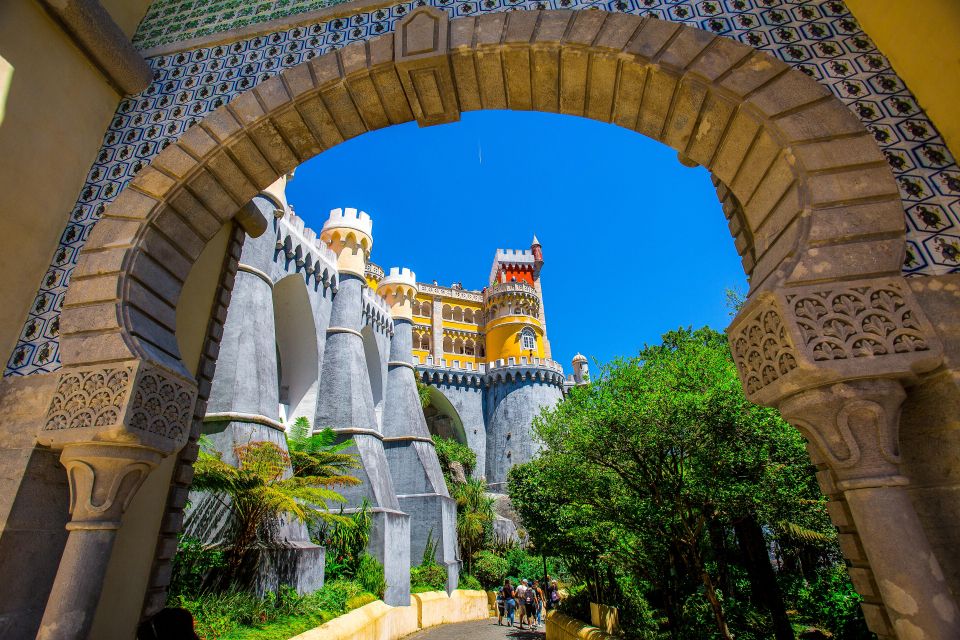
{"x":345,"y":403}
{"x":243,"y":408}
{"x":414,"y":466}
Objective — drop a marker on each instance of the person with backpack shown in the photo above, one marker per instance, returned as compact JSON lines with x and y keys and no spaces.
{"x":529,"y":603}
{"x":509,"y":601}
{"x":553,"y":594}
{"x":520,"y":592}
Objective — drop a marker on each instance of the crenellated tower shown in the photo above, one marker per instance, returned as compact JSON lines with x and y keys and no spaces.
{"x":521,"y":378}
{"x":417,"y":478}
{"x":345,"y":402}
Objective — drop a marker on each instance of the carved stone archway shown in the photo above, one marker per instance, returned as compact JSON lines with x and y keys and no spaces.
{"x":829,"y":333}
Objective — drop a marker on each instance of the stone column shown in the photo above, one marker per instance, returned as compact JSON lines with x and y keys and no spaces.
{"x":417,"y":477}
{"x":436,"y":326}
{"x":855,"y":427}
{"x":345,"y":403}
{"x":103,"y":478}
{"x":113,"y":424}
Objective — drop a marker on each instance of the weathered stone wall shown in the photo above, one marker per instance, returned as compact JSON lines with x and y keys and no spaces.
{"x":510,"y":407}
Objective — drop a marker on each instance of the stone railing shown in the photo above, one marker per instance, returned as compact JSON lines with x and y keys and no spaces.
{"x":460,"y":294}
{"x":506,"y":288}
{"x":563,"y":627}
{"x":383,"y":622}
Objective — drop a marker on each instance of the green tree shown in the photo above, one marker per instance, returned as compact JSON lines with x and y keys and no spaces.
{"x":661,"y":472}
{"x":474,"y":517}
{"x":259,"y":493}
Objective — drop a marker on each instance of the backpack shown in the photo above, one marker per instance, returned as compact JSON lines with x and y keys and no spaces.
{"x":528,"y":596}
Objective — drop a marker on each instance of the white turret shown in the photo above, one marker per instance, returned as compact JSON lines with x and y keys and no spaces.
{"x":581,"y":372}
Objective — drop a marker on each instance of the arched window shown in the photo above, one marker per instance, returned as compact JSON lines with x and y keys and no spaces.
{"x":447,"y":345}
{"x":425,"y":308}
{"x":481,"y":350}
{"x":468,"y":348}
{"x":528,"y":340}
{"x":457,"y":314}
{"x":447,"y":312}
{"x":458,"y":346}
{"x":468,"y":315}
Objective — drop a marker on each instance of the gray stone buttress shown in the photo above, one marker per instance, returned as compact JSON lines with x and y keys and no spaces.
{"x":345,"y":404}
{"x":422,"y":490}
{"x":245,"y":393}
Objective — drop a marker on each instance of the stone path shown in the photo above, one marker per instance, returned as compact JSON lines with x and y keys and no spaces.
{"x":477,"y":630}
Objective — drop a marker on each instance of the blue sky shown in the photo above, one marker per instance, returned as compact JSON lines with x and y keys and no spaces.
{"x":634,"y":243}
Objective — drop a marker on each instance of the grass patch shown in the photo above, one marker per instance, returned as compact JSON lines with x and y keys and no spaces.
{"x":278,"y":616}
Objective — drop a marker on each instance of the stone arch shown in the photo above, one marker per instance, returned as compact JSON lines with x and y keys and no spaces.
{"x":812,"y":206}
{"x":443,"y":419}
{"x":298,"y":360}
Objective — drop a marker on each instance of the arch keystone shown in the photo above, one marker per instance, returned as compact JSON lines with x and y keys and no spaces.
{"x":425,"y":73}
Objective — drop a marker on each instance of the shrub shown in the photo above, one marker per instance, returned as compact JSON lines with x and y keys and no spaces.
{"x":467,"y":581}
{"x":278,"y":615}
{"x":370,"y":575}
{"x":449,"y":451}
{"x":192,"y":564}
{"x":428,"y":577}
{"x":490,"y":569}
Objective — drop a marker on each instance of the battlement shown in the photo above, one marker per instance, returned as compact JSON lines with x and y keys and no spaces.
{"x":349,"y":218}
{"x":399,"y":275}
{"x":300,"y":244}
{"x":376,"y":310}
{"x":514,"y":256}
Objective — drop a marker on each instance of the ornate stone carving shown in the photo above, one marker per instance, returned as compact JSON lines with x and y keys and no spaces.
{"x":762,"y":349}
{"x":86,"y":398}
{"x":790,"y":340}
{"x":162,"y":405}
{"x":130,"y":402}
{"x":855,"y":425}
{"x":859,"y":321}
{"x":103,"y":478}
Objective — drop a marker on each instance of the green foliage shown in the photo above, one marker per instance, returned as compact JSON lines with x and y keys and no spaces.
{"x":829,"y":601}
{"x":346,"y":543}
{"x":319,"y":455}
{"x":259,"y":493}
{"x":450,"y":451}
{"x":370,"y":575}
{"x":474,"y":517}
{"x":192,"y":564}
{"x":467,"y":581}
{"x":428,"y":577}
{"x":658,"y":479}
{"x":423,"y":391}
{"x":237,"y":615}
{"x":490,"y":569}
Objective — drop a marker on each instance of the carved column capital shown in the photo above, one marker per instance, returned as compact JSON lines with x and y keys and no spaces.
{"x":798,"y":338}
{"x":855,"y":426}
{"x":133,"y":403}
{"x":103,"y":478}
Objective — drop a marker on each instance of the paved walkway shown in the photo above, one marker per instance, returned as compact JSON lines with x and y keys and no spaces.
{"x":478,"y":630}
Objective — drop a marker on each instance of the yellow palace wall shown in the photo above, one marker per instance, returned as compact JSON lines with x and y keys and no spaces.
{"x":56,"y":109}
{"x":922,"y":42}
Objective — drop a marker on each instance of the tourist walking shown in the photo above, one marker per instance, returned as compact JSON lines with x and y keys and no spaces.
{"x":521,"y":596}
{"x":509,"y":601}
{"x":541,"y":601}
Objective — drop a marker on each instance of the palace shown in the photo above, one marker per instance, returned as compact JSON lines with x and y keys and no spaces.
{"x":316,"y":330}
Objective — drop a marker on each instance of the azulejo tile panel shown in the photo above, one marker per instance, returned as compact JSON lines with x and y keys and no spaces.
{"x":819,"y":37}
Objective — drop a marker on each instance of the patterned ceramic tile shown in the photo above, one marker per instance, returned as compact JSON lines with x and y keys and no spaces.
{"x":819,"y":37}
